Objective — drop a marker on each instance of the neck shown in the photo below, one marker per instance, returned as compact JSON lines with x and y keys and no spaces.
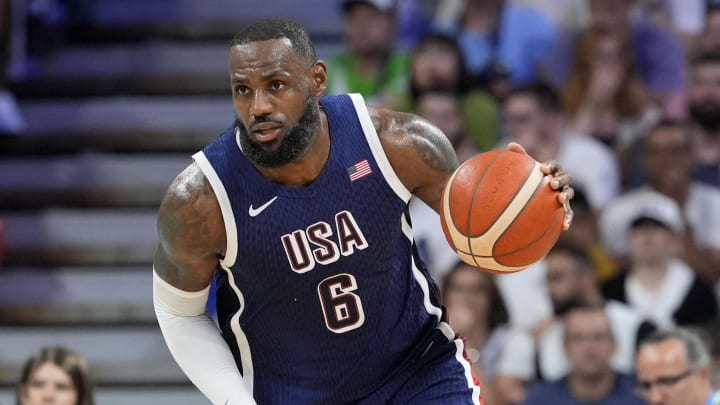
{"x":650,"y":275}
{"x":308,"y":167}
{"x":591,"y":388}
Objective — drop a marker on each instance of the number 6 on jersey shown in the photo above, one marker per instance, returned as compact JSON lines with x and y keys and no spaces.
{"x":342,"y":308}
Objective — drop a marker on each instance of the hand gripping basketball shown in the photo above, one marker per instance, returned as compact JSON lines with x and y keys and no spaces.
{"x":501,"y":213}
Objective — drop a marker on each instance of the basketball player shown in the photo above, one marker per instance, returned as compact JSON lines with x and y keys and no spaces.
{"x":299,"y":209}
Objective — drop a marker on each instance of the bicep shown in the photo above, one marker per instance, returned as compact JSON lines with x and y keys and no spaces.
{"x":191,"y":232}
{"x":419,"y":152}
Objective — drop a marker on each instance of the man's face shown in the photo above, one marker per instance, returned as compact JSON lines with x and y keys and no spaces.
{"x":704,"y":96}
{"x":368,"y":30}
{"x":563,"y":278}
{"x":665,"y":376}
{"x":667,"y":158}
{"x":652,"y":244}
{"x":528,"y":125}
{"x":275,"y":101}
{"x":444,"y":111}
{"x":589,"y":342}
{"x":436,"y":66}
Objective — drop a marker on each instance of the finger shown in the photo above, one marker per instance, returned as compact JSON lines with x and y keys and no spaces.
{"x":516,"y":147}
{"x":569,"y":214}
{"x":550,"y":167}
{"x":567,"y":194}
{"x":561,"y":180}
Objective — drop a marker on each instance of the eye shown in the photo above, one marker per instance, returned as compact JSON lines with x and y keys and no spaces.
{"x":277,"y":85}
{"x":242,"y":90}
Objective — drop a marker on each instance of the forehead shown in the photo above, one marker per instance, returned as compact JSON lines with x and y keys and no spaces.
{"x":267,"y":54}
{"x":669,"y":352}
{"x":665,"y":135}
{"x":579,"y":321}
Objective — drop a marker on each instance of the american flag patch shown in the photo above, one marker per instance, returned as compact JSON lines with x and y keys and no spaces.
{"x":359,"y":170}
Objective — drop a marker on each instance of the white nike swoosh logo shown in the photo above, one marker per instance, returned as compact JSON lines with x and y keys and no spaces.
{"x":253,"y":212}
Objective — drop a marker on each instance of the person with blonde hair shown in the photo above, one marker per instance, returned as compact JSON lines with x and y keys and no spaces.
{"x":55,"y":375}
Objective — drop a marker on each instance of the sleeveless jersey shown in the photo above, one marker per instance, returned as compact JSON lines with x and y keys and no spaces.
{"x":321,"y":294}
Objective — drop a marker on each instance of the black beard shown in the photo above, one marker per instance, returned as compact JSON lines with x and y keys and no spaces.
{"x":294,"y":144}
{"x":706,"y":115}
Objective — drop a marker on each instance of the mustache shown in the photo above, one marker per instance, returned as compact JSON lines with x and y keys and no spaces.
{"x":262,"y":120}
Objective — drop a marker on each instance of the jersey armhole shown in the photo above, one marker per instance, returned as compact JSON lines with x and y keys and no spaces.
{"x":377,"y":150}
{"x":231,"y":247}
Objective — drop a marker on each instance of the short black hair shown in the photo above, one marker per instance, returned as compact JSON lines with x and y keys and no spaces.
{"x":276,"y":28}
{"x":544,"y":93}
{"x":578,"y":254}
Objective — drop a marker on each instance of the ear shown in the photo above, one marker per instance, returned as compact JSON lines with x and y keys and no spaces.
{"x":319,"y":78}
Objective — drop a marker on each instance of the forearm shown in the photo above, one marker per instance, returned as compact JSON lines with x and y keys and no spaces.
{"x":196,"y":344}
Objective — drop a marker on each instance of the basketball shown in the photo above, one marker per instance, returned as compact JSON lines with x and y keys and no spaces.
{"x":499,"y":213}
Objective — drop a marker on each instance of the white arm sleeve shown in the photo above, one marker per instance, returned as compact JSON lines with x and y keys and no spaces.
{"x":196,"y":344}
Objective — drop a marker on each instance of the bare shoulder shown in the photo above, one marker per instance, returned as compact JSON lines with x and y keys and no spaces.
{"x":190,"y":227}
{"x":419,"y":152}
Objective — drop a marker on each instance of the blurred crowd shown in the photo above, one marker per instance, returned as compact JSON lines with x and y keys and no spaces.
{"x":626,"y":95}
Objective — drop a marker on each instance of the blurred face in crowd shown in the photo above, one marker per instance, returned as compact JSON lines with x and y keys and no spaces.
{"x":436,"y":65}
{"x":710,"y":38}
{"x":652,"y":244}
{"x":445,"y":112}
{"x":609,"y":14}
{"x":667,"y":158}
{"x":589,"y":342}
{"x":564,"y":278}
{"x":468,"y":294}
{"x":704,"y":95}
{"x":49,"y":384}
{"x":368,"y":30}
{"x":527,"y":124}
{"x":665,"y":377}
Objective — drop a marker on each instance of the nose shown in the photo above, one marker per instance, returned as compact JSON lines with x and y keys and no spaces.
{"x":654,"y":396}
{"x":261,"y":105}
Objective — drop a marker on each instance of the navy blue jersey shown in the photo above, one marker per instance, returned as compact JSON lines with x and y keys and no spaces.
{"x":321,"y":294}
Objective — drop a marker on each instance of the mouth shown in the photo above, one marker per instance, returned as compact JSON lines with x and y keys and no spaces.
{"x":266,"y":132}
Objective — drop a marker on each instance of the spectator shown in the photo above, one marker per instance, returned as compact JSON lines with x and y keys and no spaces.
{"x":437,"y":64}
{"x":709,"y":40}
{"x":657,"y":282}
{"x":704,"y":112}
{"x":571,"y":282}
{"x":534,"y":118}
{"x":667,"y":161}
{"x":589,"y":343}
{"x":55,"y":375}
{"x":585,"y":235}
{"x":684,"y":18}
{"x":477,"y":312}
{"x":673,"y":368}
{"x":604,"y":95}
{"x":371,"y":66}
{"x":658,"y":54}
{"x":503,"y":43}
{"x":443,"y":108}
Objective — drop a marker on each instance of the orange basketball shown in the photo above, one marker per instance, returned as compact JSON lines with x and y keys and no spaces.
{"x":499,"y":213}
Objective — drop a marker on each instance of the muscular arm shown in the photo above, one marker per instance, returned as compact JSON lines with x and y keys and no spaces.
{"x":192,"y":236}
{"x":419,"y":152}
{"x":191,"y":231}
